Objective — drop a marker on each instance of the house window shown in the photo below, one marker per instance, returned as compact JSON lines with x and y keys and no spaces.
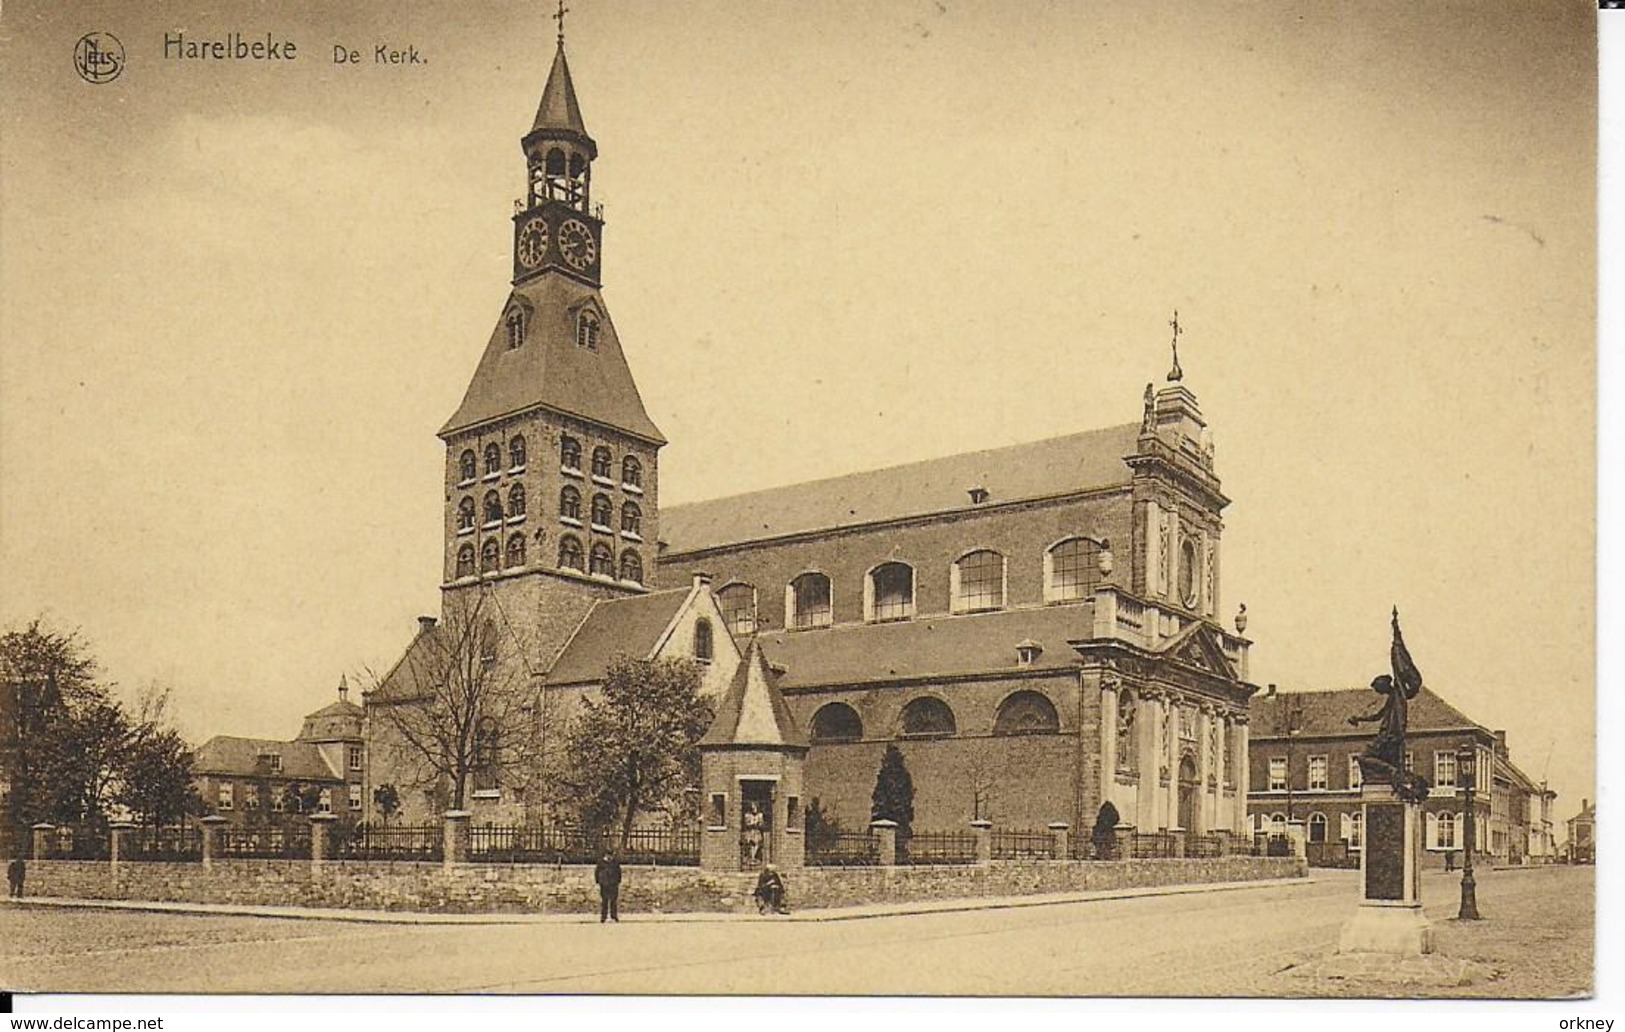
{"x":353,"y":757}
{"x":516,"y":453}
{"x":467,"y":468}
{"x":601,"y":511}
{"x":1444,"y":770}
{"x":1067,"y":569}
{"x":570,"y":454}
{"x":1317,"y":827}
{"x":251,"y":796}
{"x":516,"y":550}
{"x":570,"y":503}
{"x":1277,"y":774}
{"x":718,"y":817}
{"x":465,"y":561}
{"x":631,"y":472}
{"x":278,"y":801}
{"x":223,"y":796}
{"x":465,"y":513}
{"x":1317,"y":774}
{"x":1277,"y":824}
{"x":603,"y":561}
{"x":891,"y":592}
{"x":569,"y":553}
{"x":738,"y":604}
{"x":836,"y":722}
{"x":1356,"y":831}
{"x":493,"y":507}
{"x":809,"y":601}
{"x":601,"y":460}
{"x":516,"y":501}
{"x":1026,"y":713}
{"x":631,"y":519}
{"x":703,"y":646}
{"x":927,"y":717}
{"x":493,"y":458}
{"x":490,"y":556}
{"x":324,"y":802}
{"x":1354,"y":772}
{"x":979,"y":581}
{"x":631,"y":567}
{"x":355,"y":797}
{"x":516,"y":328}
{"x":587,"y":331}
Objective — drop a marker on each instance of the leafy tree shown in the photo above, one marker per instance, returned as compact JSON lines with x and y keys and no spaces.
{"x":49,"y":675}
{"x":387,"y":798}
{"x":1104,"y":835}
{"x":823,"y":830}
{"x":301,"y":797}
{"x":893,"y":798}
{"x":632,"y":750}
{"x":463,"y":707}
{"x":156,"y":781}
{"x":85,"y":776}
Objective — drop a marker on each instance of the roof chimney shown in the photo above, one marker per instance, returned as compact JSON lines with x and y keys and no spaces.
{"x":701,"y":580}
{"x":426,"y":624}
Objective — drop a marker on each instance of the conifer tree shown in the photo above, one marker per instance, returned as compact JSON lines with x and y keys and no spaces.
{"x":894,"y":793}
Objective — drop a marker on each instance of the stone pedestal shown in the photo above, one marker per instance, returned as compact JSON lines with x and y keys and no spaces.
{"x":1298,"y":836}
{"x":42,"y":840}
{"x":118,"y":837}
{"x":886,"y":838}
{"x":983,"y":830}
{"x":455,"y":844}
{"x":321,"y":838}
{"x":1389,"y":919}
{"x":1123,"y":846}
{"x":211,"y":837}
{"x":1060,"y":840}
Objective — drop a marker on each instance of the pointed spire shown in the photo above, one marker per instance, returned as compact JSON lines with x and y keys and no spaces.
{"x":752,"y":711}
{"x":559,"y":111}
{"x":344,"y":688}
{"x":1175,"y":374}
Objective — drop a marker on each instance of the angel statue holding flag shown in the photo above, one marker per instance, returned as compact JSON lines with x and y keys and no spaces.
{"x":1383,"y":761}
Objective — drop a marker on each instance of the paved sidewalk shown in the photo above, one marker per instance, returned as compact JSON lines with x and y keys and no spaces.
{"x":853,"y":913}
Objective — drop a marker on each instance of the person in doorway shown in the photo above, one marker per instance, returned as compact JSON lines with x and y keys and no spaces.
{"x":770,"y":891}
{"x":607,"y":873}
{"x":754,"y":823}
{"x":15,"y":872}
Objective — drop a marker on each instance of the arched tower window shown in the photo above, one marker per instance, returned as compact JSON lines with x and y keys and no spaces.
{"x":570,"y":553}
{"x":603,"y":561}
{"x":587,"y":331}
{"x":631,"y":567}
{"x":631,"y":519}
{"x":836,"y":722}
{"x":570,"y":453}
{"x":465,"y":513}
{"x":978,"y":581}
{"x":809,"y":602}
{"x":467,"y":466}
{"x":1026,"y":713}
{"x":516,"y":550}
{"x":465,"y":561}
{"x":516,"y":327}
{"x":570,"y":503}
{"x":487,"y":744}
{"x":891,"y":592}
{"x":601,"y":462}
{"x":516,"y":453}
{"x":704,"y":648}
{"x":926,"y":717}
{"x":493,"y":507}
{"x":516,"y":501}
{"x":738,"y":604}
{"x":601,"y":511}
{"x":631,"y":472}
{"x":490,"y":556}
{"x":493,"y":458}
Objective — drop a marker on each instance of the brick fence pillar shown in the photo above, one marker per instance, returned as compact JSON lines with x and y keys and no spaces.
{"x":886,"y":832}
{"x":983,"y":830}
{"x":118,"y":835}
{"x":1295,"y":832}
{"x":42,"y":840}
{"x":1060,"y":840}
{"x":321,"y":838}
{"x":456,"y":841}
{"x":1123,"y":846}
{"x":211,"y":837}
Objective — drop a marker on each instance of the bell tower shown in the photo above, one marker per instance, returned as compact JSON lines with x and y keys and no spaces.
{"x":552,"y":477}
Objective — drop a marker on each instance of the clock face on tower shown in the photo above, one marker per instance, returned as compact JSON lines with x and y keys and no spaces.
{"x":576,"y":244}
{"x":532,"y":244}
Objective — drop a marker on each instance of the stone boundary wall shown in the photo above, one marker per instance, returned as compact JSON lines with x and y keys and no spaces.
{"x":541,"y":888}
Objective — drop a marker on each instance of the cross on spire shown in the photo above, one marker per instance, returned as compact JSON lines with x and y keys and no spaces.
{"x":559,"y":17}
{"x":1175,"y":374}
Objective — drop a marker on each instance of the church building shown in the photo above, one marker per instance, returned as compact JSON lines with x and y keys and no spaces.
{"x":1036,"y":627}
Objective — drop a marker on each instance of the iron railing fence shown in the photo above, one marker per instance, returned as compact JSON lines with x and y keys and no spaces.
{"x":843,"y":849}
{"x":80,"y":842}
{"x":937,"y":847}
{"x":1022,"y":844}
{"x":424,"y":842}
{"x":272,"y":843}
{"x":163,"y":844}
{"x":1153,"y":845}
{"x":663,"y":846}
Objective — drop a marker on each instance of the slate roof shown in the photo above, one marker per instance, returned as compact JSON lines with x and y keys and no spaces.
{"x":228,"y":754}
{"x":1326,"y":713}
{"x":939,"y":646}
{"x":549,"y":370}
{"x":559,"y":109}
{"x":402,"y":680}
{"x":1059,"y":465}
{"x":629,"y":626}
{"x":752,"y":710}
{"x":339,"y":708}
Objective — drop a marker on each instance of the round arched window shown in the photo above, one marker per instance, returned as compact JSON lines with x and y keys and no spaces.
{"x":836,"y":722}
{"x":1026,"y":713}
{"x":927,"y":716}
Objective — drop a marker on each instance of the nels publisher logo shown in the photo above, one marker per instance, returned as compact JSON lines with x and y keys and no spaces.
{"x":98,"y":57}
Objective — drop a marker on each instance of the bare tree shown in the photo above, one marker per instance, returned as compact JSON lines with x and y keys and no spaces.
{"x":463,"y":701}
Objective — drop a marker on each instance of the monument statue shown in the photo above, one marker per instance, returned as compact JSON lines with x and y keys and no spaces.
{"x":1383,"y":761}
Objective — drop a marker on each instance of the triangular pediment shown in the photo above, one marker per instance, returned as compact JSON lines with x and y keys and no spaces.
{"x":1199,"y":648}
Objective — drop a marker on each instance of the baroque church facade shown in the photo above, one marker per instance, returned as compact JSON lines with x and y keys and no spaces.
{"x":1036,"y":627}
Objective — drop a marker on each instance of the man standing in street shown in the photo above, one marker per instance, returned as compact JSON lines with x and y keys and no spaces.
{"x":607,"y":874}
{"x":15,"y":872}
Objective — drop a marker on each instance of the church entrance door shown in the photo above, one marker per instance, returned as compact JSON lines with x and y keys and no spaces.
{"x":755,"y":824}
{"x":1187,"y":794}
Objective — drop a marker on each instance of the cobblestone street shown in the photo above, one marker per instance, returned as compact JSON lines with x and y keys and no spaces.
{"x":1537,"y":935}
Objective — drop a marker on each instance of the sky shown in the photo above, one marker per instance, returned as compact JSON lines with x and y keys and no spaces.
{"x":237,"y":300}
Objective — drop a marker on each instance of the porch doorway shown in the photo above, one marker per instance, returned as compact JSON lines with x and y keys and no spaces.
{"x":755,"y":824}
{"x":1187,"y":794}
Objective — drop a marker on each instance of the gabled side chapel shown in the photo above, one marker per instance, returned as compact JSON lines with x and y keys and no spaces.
{"x":1036,"y":626}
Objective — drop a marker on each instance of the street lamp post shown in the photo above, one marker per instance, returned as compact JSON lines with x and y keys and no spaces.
{"x":1466,"y":772}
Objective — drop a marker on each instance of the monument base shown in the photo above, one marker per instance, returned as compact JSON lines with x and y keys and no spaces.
{"x":1401,"y":931}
